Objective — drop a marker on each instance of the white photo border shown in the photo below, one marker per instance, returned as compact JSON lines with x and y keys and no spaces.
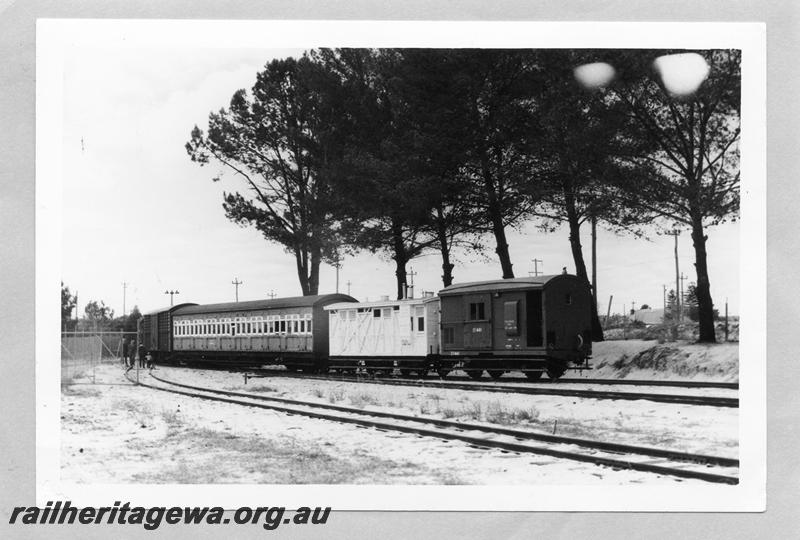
{"x":56,"y":36}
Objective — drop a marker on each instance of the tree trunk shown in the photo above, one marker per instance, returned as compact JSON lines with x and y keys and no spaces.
{"x":705,"y":305}
{"x":302,"y":271}
{"x":580,"y":264}
{"x":502,"y":246}
{"x":400,"y":259}
{"x":496,"y":219}
{"x":447,"y":266}
{"x":313,"y":278}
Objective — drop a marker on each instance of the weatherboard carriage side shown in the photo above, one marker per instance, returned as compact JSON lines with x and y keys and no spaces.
{"x":533,"y":324}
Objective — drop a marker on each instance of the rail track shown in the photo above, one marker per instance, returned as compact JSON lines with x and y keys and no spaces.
{"x":615,"y":382}
{"x":613,"y":455}
{"x":530,"y":389}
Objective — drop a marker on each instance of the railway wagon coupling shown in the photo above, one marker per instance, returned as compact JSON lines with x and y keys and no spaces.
{"x":535,"y":325}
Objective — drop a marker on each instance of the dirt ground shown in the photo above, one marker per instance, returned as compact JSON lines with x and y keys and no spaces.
{"x":115,"y":432}
{"x":647,"y":359}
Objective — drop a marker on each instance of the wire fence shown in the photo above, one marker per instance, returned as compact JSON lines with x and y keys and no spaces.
{"x":83,"y":352}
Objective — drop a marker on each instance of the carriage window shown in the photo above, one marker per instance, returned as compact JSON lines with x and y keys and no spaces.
{"x":420,"y":324}
{"x":283,"y":326}
{"x":476,"y":311}
{"x":376,"y":313}
{"x":309,"y":326}
{"x":387,"y":313}
{"x":303,"y":326}
{"x":568,"y":299}
{"x":449,"y":335}
{"x":352,"y":315}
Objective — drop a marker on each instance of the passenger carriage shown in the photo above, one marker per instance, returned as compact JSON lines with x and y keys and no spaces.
{"x":290,"y":331}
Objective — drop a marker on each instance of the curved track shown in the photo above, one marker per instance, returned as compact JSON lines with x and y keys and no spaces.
{"x":654,"y":460}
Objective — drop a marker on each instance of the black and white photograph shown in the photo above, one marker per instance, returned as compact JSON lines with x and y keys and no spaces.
{"x":402,"y":266}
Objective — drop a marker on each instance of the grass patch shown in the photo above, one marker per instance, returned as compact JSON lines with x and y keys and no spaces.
{"x":493,"y":412}
{"x":79,"y":391}
{"x":497,"y":413}
{"x":201,"y":456}
{"x":362,"y":399}
{"x":336,"y":395}
{"x":172,"y":418}
{"x":253,"y":388}
{"x":141,"y":412}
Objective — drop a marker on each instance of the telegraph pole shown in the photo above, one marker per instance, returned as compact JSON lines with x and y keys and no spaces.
{"x":412,"y":274}
{"x":726,"y":319}
{"x":337,"y":265}
{"x":594,"y":257}
{"x":675,"y":233}
{"x":236,"y":283}
{"x":271,"y":294}
{"x":683,"y":298}
{"x":536,"y":266}
{"x":348,"y":287}
{"x":124,"y":286}
{"x":171,"y":293}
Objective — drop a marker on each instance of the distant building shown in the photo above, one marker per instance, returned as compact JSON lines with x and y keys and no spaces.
{"x":648,"y":316}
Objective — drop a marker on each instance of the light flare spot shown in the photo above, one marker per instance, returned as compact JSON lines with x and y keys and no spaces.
{"x":595,"y":75}
{"x":682,"y":74}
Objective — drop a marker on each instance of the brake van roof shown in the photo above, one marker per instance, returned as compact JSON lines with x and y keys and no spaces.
{"x":531,"y":282}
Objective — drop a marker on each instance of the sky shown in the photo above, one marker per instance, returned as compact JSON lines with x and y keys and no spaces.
{"x":137,"y":210}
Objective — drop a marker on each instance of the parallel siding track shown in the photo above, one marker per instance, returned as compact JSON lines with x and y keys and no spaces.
{"x":533,"y":389}
{"x":616,"y":456}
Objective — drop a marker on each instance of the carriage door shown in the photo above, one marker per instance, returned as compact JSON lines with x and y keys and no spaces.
{"x":509,"y":321}
{"x":478,"y":321}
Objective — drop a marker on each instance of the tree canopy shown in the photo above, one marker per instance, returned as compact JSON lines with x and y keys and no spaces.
{"x":693,"y":170}
{"x":283,"y":141}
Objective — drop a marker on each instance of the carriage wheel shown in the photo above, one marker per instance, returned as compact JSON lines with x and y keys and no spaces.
{"x":474,"y":374}
{"x":534,"y":374}
{"x":405,"y":372}
{"x":443,"y":372}
{"x":554,"y":372}
{"x":495,"y":373}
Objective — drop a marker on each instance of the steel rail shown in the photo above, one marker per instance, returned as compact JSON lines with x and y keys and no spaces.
{"x":477,"y":441}
{"x":612,"y":382}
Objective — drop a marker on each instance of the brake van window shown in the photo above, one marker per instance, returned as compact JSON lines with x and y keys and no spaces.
{"x":476,"y":311}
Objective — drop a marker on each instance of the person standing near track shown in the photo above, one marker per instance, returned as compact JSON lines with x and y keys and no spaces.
{"x":125,"y":348}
